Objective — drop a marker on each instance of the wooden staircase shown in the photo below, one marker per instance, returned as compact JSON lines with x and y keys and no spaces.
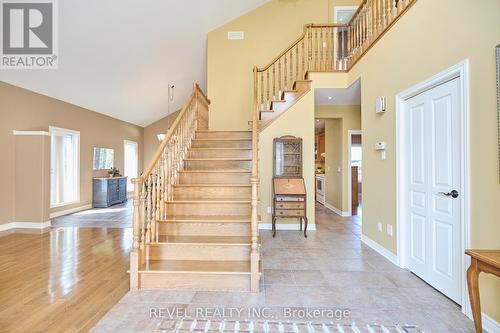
{"x":205,"y":241}
{"x":195,"y":209}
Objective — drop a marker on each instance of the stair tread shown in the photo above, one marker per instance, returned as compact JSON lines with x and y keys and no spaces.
{"x":220,"y":240}
{"x":219,"y":171}
{"x":196,"y":266}
{"x":217,"y":159}
{"x":230,"y":131}
{"x":218,"y":148}
{"x":208,"y":218}
{"x":214,"y":185}
{"x":222,"y":139}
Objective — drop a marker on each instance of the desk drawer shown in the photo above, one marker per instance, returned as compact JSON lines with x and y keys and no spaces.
{"x":289,"y":212}
{"x":293,"y":199}
{"x":289,"y":205}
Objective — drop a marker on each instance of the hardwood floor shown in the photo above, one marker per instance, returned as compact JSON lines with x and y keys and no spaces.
{"x":63,"y":280}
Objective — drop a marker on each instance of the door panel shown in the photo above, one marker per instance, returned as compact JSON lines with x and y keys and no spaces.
{"x":433,"y":146}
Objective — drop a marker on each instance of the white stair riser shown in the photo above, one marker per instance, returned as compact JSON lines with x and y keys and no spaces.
{"x":195,"y":281}
{"x":214,"y":177}
{"x":217,"y":165}
{"x":171,"y":228}
{"x":205,"y":192}
{"x":173,"y":251}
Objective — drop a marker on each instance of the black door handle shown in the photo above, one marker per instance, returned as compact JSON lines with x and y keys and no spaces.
{"x":454,"y":194}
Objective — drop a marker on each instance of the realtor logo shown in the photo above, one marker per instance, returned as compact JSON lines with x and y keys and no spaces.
{"x":29,"y":34}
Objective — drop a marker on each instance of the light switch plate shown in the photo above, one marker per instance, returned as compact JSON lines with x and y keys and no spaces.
{"x":269,"y":210}
{"x":389,"y":230}
{"x":379,"y":226}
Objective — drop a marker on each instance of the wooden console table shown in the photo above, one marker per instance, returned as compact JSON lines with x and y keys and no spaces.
{"x":487,"y":261}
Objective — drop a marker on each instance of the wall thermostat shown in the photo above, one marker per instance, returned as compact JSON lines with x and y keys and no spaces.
{"x":380,"y":145}
{"x":380,"y":105}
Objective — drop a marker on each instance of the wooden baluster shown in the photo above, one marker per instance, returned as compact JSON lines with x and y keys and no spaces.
{"x":285,"y":71}
{"x":341,"y":48}
{"x":291,"y":67}
{"x":262,"y":104}
{"x":322,"y":49}
{"x":296,"y":62}
{"x":316,"y":49}
{"x":394,"y":9}
{"x":267,"y":85}
{"x":303,"y":73}
{"x":136,"y":234}
{"x":310,"y":50}
{"x":148,"y":211}
{"x":279,"y":75}
{"x":380,"y":16}
{"x":143,"y":213}
{"x":274,"y":81}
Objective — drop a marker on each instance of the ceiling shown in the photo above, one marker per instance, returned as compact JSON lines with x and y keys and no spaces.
{"x":347,"y":96}
{"x":117,"y":57}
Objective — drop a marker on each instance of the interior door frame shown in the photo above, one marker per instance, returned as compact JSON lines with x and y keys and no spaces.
{"x":129,"y":181}
{"x":350,"y":133}
{"x":460,"y":71}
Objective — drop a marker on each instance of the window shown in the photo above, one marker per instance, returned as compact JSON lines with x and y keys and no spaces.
{"x":65,"y":167}
{"x":131,"y":161}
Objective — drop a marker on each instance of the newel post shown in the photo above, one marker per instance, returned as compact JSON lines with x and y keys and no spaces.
{"x":136,"y":223}
{"x":255,"y":255}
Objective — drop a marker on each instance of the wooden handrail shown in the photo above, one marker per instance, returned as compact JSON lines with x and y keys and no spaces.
{"x":155,"y":186}
{"x":329,"y":47}
{"x":171,"y":131}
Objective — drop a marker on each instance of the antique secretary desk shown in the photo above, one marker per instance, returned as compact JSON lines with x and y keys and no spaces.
{"x":289,"y":191}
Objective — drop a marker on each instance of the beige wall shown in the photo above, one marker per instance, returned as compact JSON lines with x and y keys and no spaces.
{"x":21,"y":109}
{"x":408,"y":54}
{"x":423,"y":51}
{"x":151,"y":142}
{"x":333,"y":161}
{"x":297,"y":121}
{"x":268,"y":31}
{"x":351,"y":120}
{"x":32,"y":178}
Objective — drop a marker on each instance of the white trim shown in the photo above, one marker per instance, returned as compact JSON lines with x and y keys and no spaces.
{"x":336,"y":9}
{"x":285,"y":226}
{"x":461,"y":71}
{"x":336,"y":210}
{"x":70,"y":211}
{"x":30,"y":133}
{"x":53,"y":129}
{"x":380,"y":249}
{"x":489,"y":324}
{"x":129,"y":180}
{"x":25,"y":225}
{"x":350,"y":133}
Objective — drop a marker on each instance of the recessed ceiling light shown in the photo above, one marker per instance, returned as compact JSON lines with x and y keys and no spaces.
{"x":330,"y":97}
{"x":317,"y":120}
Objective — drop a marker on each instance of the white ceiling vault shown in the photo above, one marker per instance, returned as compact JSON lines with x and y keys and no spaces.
{"x":117,"y":57}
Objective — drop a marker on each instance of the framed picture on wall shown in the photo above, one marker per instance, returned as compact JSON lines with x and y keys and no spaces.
{"x":498,"y":102}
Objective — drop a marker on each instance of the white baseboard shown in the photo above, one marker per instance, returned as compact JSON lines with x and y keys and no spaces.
{"x":380,"y":249}
{"x":285,"y":226}
{"x":490,"y":325}
{"x":25,"y":225}
{"x":336,"y":210}
{"x":70,"y":211}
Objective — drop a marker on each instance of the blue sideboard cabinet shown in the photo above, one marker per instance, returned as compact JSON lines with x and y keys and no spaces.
{"x":109,"y":191}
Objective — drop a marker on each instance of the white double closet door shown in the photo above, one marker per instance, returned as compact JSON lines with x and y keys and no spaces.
{"x":433,"y":179}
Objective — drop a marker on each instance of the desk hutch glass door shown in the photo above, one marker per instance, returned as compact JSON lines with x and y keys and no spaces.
{"x":288,"y":157}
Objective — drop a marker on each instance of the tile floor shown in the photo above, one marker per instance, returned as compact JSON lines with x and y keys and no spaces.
{"x":331,"y":269}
